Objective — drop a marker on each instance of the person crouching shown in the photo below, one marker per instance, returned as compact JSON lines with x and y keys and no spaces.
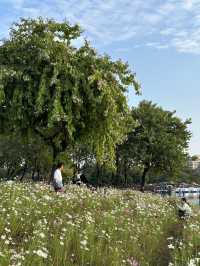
{"x":184,"y":211}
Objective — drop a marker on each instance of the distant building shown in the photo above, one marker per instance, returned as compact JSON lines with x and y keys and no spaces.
{"x":194,"y":162}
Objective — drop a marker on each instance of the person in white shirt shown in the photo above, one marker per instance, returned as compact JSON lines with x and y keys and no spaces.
{"x":57,"y":178}
{"x":185,"y":211}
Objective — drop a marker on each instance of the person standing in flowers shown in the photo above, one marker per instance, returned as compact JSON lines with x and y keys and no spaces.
{"x":184,"y":211}
{"x":57,"y":178}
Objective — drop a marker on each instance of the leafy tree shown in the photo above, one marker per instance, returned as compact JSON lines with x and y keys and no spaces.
{"x":194,"y":158}
{"x":158,"y":143}
{"x":11,"y":159}
{"x":23,"y":159}
{"x":189,"y":175}
{"x":59,"y":93}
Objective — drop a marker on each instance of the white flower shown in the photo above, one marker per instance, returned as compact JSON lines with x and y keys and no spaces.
{"x":68,"y":215}
{"x":170,"y":246}
{"x":41,"y":253}
{"x":42,"y":235}
{"x":3,"y":237}
{"x":61,"y":243}
{"x":83,"y":242}
{"x":7,"y":242}
{"x":192,"y":263}
{"x":46,"y":197}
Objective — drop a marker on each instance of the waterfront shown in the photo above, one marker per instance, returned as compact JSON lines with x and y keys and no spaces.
{"x":192,"y":194}
{"x":194,"y":201}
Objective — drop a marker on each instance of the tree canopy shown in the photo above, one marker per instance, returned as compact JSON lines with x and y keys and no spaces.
{"x":158,"y":143}
{"x":62,"y":94}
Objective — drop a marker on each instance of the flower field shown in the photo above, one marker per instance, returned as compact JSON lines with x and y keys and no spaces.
{"x":80,"y":227}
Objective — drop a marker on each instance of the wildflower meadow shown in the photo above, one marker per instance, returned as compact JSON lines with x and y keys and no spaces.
{"x":83,"y":227}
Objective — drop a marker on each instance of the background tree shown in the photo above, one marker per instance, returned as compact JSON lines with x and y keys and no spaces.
{"x":158,"y":143}
{"x":31,"y":159}
{"x":19,"y":158}
{"x":61,"y":94}
{"x":194,"y":158}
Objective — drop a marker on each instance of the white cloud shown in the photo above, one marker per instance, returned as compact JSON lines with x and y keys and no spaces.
{"x":188,"y":4}
{"x":161,"y":23}
{"x":157,"y":45}
{"x":188,"y":43}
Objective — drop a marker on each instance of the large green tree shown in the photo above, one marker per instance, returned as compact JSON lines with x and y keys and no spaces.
{"x":64,"y":95}
{"x":158,"y":143}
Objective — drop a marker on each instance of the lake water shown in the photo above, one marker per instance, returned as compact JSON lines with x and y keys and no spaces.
{"x":194,"y":201}
{"x":192,"y":198}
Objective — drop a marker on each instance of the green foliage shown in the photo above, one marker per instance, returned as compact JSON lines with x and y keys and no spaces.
{"x":159,"y":142}
{"x":80,"y":227}
{"x":62,"y":94}
{"x":10,"y":156}
{"x":194,"y":158}
{"x":189,"y":175}
{"x":21,"y":158}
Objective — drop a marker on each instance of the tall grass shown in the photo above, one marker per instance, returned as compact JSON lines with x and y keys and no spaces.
{"x":80,"y":227}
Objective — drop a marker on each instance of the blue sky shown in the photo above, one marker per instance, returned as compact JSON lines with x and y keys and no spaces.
{"x":159,"y":38}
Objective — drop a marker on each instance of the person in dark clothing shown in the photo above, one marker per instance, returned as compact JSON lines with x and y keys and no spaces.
{"x":84,"y":179}
{"x":79,"y":179}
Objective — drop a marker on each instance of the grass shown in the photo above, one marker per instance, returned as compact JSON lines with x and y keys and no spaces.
{"x":80,"y":227}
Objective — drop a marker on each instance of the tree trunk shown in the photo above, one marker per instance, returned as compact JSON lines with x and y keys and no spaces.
{"x":117,"y":176}
{"x":24,"y":171}
{"x":143,"y":179}
{"x":125,"y":172}
{"x":34,"y":169}
{"x":33,"y":174}
{"x":112,"y":178}
{"x":102,"y":174}
{"x":38,"y":174}
{"x":8,"y":173}
{"x":98,"y":173}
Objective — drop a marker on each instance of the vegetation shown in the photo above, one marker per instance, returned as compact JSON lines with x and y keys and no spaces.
{"x":157,"y":145}
{"x":188,"y":175}
{"x":59,"y":102}
{"x":62,"y":103}
{"x":62,"y":95}
{"x":80,"y":227}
